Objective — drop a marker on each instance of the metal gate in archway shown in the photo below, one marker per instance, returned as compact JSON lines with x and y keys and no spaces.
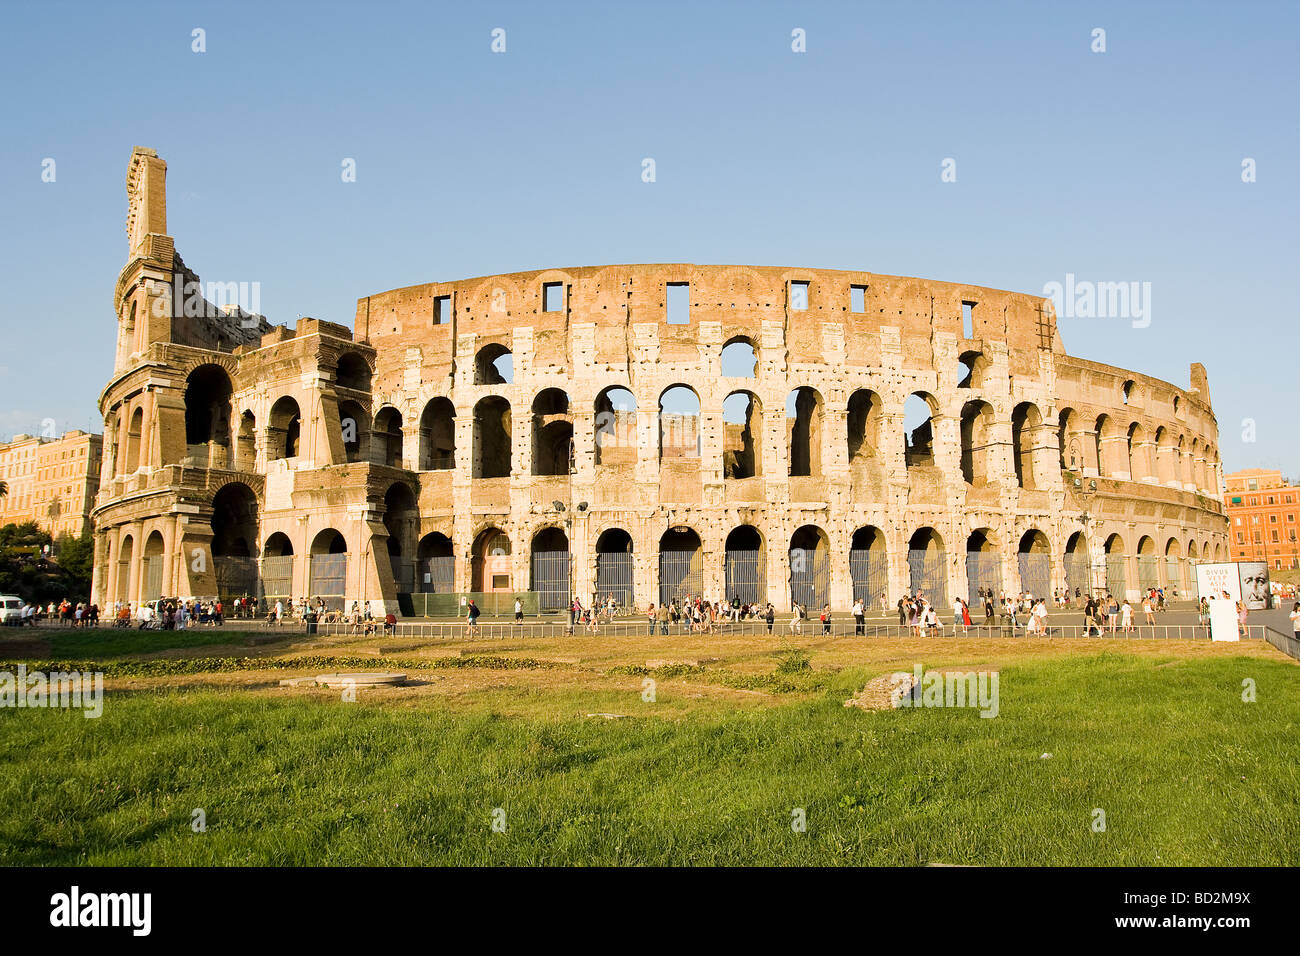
{"x":746,"y":576}
{"x":1171,"y":571}
{"x":928,"y":572}
{"x":328,"y":578}
{"x":550,"y":579}
{"x":681,"y":575}
{"x":236,"y":577}
{"x":810,"y":578}
{"x":1116,"y":579}
{"x":614,"y":576}
{"x":1078,"y":572}
{"x":277,"y":576}
{"x":1148,"y":571}
{"x":869,"y":571}
{"x":1035,"y":573}
{"x":437,"y":574}
{"x":983,"y":570}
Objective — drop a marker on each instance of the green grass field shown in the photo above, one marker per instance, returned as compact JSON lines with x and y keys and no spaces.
{"x":1185,"y":771}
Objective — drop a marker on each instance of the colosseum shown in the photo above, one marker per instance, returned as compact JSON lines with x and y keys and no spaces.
{"x":646,"y":431}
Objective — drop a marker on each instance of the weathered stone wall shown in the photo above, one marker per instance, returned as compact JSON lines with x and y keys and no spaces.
{"x":1013,"y":430}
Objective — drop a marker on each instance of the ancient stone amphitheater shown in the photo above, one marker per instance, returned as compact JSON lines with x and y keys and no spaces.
{"x":646,"y":431}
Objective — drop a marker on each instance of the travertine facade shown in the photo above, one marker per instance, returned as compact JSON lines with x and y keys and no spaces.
{"x":468,"y":435}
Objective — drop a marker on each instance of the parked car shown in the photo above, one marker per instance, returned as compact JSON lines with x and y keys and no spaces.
{"x":11,"y":609}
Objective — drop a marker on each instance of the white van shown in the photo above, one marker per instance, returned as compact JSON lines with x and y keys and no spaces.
{"x":11,"y":609}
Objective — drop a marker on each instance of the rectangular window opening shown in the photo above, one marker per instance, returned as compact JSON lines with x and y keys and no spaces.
{"x":679,"y":303}
{"x":968,"y":320}
{"x":857,"y":298}
{"x":798,"y":296}
{"x":552,"y":297}
{"x":442,"y":310}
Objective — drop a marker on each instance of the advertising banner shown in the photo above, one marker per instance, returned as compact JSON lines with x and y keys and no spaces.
{"x":1254,"y":584}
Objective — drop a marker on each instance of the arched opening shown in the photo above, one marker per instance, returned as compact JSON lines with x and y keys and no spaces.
{"x":863,"y":425}
{"x":134,"y":440}
{"x":1163,"y":468}
{"x":494,"y":365}
{"x":277,"y":568}
{"x":918,"y":429}
{"x":151,"y":577}
{"x":283,"y":431}
{"x":1173,"y":566}
{"x":353,"y":372}
{"x":1104,"y":435}
{"x":681,"y":566}
{"x":1127,"y":395}
{"x":549,"y":567}
{"x":552,"y":433}
{"x":328,"y":568}
{"x":490,"y":561}
{"x":1139,"y":463}
{"x":679,"y":423}
{"x":742,"y":416}
{"x":983,"y":566}
{"x":745,"y":566}
{"x":869,"y":565}
{"x":1069,"y":442}
{"x":976,"y":442}
{"x":615,"y":424}
{"x":803,"y":413}
{"x":1026,"y":421}
{"x":492,"y":438}
{"x":207,"y":416}
{"x":971,"y":369}
{"x":810,"y":568}
{"x":234,"y":536}
{"x":1148,"y":564}
{"x":739,"y":358}
{"x":1078,"y":564}
{"x":1116,"y":571}
{"x":354,"y":423}
{"x":402,"y":521}
{"x":246,"y":443}
{"x":124,"y":558}
{"x":927,"y":566}
{"x":387,"y":439}
{"x":1035,"y":559}
{"x":436,"y":564}
{"x":614,"y":567}
{"x":438,"y":435}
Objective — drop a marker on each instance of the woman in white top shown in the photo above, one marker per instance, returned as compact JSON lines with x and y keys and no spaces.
{"x":1126,"y":617}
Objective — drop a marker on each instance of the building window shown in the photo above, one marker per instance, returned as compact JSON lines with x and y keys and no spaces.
{"x":857,"y":298}
{"x":968,"y":320}
{"x":798,"y":296}
{"x":442,"y":310}
{"x":552,"y":297}
{"x":678,"y":303}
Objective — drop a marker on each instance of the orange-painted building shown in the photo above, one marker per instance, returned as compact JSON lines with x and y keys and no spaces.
{"x":1263,"y":518}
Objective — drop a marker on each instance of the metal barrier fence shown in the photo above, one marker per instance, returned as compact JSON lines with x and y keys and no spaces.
{"x":328,"y":578}
{"x":550,"y":579}
{"x":236,"y":577}
{"x":1035,"y":573}
{"x":928,"y":572}
{"x":1116,"y":578}
{"x":277,"y":577}
{"x":869,"y":572}
{"x":681,"y":574}
{"x":1078,"y":572}
{"x":983,"y":570}
{"x":810,"y":578}
{"x":746,"y":576}
{"x":614,"y":576}
{"x":491,"y":603}
{"x":842,"y":626}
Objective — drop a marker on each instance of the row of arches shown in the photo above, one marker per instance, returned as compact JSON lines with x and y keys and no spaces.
{"x":1108,"y":447}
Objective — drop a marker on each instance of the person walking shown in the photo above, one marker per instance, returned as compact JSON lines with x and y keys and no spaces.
{"x":1295,"y":620}
{"x":519,"y":611}
{"x":471,"y":615}
{"x":1126,"y":617}
{"x":859,"y":618}
{"x":770,"y":617}
{"x":965,"y":616}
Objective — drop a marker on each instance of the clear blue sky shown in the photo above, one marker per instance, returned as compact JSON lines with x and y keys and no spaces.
{"x":1118,"y":166}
